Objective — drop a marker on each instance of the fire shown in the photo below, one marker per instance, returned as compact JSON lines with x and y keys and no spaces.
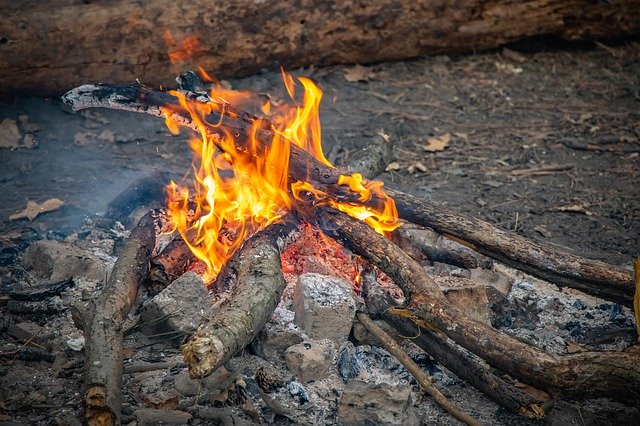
{"x":238,"y":192}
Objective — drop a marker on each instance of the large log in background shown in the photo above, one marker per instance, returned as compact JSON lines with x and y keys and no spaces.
{"x":54,"y":45}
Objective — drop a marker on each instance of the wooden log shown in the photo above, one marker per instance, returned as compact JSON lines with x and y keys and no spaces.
{"x":52,"y":46}
{"x":563,"y":269}
{"x":146,"y":190}
{"x":259,"y":283}
{"x":593,"y":277}
{"x":168,"y":265}
{"x":598,"y":374}
{"x":373,"y":159}
{"x":462,"y":363}
{"x":103,"y":326}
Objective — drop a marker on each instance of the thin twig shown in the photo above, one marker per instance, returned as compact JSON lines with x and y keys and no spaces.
{"x":424,"y":380}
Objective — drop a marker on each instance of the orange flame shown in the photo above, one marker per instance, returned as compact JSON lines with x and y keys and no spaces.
{"x":238,"y":192}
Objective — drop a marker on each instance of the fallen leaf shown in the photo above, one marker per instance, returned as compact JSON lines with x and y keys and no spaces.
{"x":438,"y":143}
{"x":575,"y":208}
{"x":10,"y":136}
{"x":34,"y":209}
{"x":508,"y":68}
{"x":358,"y":73}
{"x":417,"y":167}
{"x":392,"y":167}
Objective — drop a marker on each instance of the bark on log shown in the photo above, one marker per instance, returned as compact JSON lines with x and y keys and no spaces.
{"x":52,"y":46}
{"x":103,"y":328}
{"x":462,"y":363}
{"x":563,"y":269}
{"x":259,"y":284}
{"x":593,"y":277}
{"x":168,"y":265}
{"x":612,"y":374}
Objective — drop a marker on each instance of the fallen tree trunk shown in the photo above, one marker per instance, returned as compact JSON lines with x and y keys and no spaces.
{"x":52,"y":47}
{"x":103,"y":326}
{"x":593,"y":277}
{"x":601,"y":374}
{"x":258,"y":285}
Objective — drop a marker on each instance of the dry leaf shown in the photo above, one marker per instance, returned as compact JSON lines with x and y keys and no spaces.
{"x":392,"y":167}
{"x":33,"y":209}
{"x":417,"y":167}
{"x":508,"y":68}
{"x":10,"y":136}
{"x":358,"y":73}
{"x":438,"y":143}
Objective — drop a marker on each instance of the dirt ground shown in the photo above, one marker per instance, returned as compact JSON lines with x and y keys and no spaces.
{"x":542,"y":141}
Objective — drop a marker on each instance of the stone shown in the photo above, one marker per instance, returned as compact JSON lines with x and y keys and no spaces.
{"x":364,"y":337}
{"x":156,"y":390}
{"x":180,"y":308}
{"x":28,"y":332}
{"x":275,"y":338}
{"x":324,"y":307}
{"x":297,"y":390}
{"x":379,"y":404}
{"x":312,"y":360}
{"x":476,"y":300}
{"x":186,"y":385}
{"x":58,"y":261}
{"x":151,"y":417}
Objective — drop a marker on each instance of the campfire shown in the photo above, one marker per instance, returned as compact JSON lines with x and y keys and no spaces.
{"x":260,"y":183}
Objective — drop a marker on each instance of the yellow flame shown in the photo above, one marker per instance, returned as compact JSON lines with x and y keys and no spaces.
{"x":238,"y":192}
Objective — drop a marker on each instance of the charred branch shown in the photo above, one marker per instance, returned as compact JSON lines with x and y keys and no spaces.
{"x":103,"y":326}
{"x":461,"y":362}
{"x":37,"y":293}
{"x":144,"y":191}
{"x":168,"y":265}
{"x":615,"y":374}
{"x":258,"y":285}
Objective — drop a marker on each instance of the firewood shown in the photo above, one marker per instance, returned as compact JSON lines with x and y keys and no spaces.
{"x":462,"y":363}
{"x":600,"y":374}
{"x":593,"y":277}
{"x":563,"y":269}
{"x":424,"y":380}
{"x":258,"y":286}
{"x":373,"y":159}
{"x":168,"y":265}
{"x":47,"y":50}
{"x":103,"y":326}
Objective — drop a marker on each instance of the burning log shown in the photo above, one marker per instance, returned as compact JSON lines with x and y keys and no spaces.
{"x":615,"y":374}
{"x":54,"y":50}
{"x":103,"y":326}
{"x":462,"y":363}
{"x":593,"y":277}
{"x":259,"y":283}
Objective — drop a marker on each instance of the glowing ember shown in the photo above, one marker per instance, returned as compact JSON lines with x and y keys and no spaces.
{"x":238,"y":192}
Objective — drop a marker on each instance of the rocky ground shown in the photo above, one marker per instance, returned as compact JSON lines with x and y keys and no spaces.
{"x":544,"y":142}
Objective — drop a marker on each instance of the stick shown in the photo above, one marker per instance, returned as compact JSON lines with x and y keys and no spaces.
{"x":373,"y":159}
{"x":593,"y":277}
{"x":172,"y":262}
{"x":615,"y":374}
{"x":259,"y":284}
{"x":462,"y":363}
{"x":424,"y":380}
{"x":103,"y":330}
{"x":563,"y":269}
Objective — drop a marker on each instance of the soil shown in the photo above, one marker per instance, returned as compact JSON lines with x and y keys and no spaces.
{"x":540,"y":140}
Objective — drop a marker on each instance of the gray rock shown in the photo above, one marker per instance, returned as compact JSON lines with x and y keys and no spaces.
{"x":380,"y":404}
{"x":275,"y":338}
{"x":151,"y":417}
{"x":324,"y":307}
{"x":186,"y":385}
{"x":57,"y":261}
{"x":312,"y":360}
{"x":179,"y":308}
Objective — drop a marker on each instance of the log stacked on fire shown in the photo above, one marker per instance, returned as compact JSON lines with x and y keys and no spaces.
{"x":244,"y":156}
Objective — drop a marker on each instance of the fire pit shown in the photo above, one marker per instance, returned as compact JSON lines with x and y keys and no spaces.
{"x":521,"y":334}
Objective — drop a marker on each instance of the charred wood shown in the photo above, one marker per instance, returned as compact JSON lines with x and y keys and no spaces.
{"x":168,"y":265}
{"x":613,"y":374}
{"x":461,"y":362}
{"x":37,"y":293}
{"x":147,"y":191}
{"x":373,"y":159}
{"x":258,"y":285}
{"x":103,"y":326}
